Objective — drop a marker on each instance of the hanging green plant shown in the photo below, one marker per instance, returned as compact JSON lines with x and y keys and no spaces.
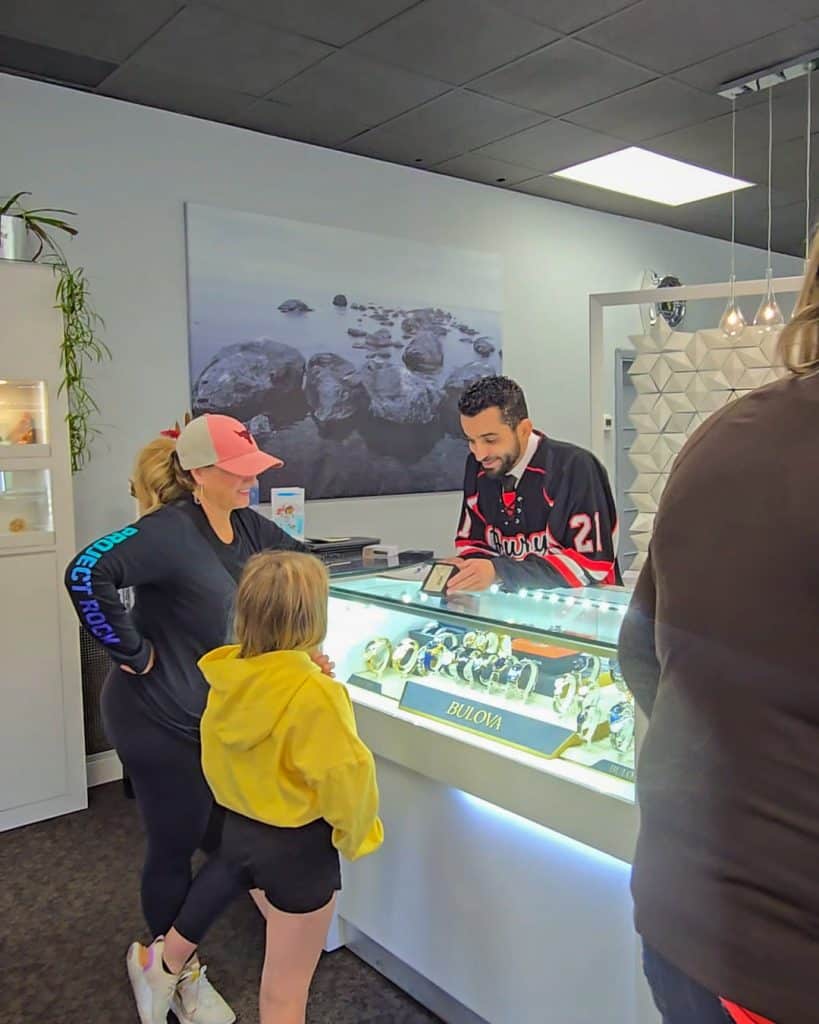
{"x":81,"y":343}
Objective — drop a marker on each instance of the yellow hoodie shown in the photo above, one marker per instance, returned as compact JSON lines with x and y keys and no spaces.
{"x":279,"y":744}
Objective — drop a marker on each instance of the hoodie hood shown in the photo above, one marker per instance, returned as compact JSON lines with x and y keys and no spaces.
{"x":249,"y":696}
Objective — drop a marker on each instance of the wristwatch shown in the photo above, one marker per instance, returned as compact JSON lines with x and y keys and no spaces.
{"x":477,"y":670}
{"x":564,"y":694}
{"x":377,"y":655}
{"x":459,"y":666}
{"x":617,"y":676}
{"x":432,"y":658}
{"x":470,"y":640}
{"x":496,"y":666}
{"x":621,"y":726}
{"x":491,"y":643}
{"x":590,"y":715}
{"x":446,"y":637}
{"x":405,"y":655}
{"x":522,"y":678}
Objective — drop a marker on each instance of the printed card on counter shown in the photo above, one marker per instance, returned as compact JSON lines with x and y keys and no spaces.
{"x":287,"y":510}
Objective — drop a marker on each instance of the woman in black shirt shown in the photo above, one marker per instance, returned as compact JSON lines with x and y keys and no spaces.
{"x":183,"y":558}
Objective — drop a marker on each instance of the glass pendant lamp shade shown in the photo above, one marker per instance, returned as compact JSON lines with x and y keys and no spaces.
{"x":769,"y":315}
{"x":732,"y":322}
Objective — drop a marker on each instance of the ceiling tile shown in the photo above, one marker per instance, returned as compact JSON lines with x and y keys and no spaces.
{"x":649,"y":110}
{"x":361,"y":85}
{"x":52,"y":64}
{"x":169,"y":91}
{"x":709,"y":75}
{"x":668,"y":35}
{"x":336,"y":22}
{"x":454,"y":40}
{"x":561,"y":77}
{"x":474,"y":167}
{"x":787,"y":233}
{"x":234,"y":53}
{"x":564,"y":15}
{"x":709,"y":144}
{"x":788,"y":229}
{"x":110,"y":30}
{"x":551,"y":146}
{"x":324,"y":124}
{"x":444,"y":128}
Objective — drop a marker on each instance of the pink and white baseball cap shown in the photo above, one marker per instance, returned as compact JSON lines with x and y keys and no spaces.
{"x":213,"y":440}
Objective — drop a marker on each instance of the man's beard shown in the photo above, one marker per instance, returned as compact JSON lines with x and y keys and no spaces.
{"x":508,"y":463}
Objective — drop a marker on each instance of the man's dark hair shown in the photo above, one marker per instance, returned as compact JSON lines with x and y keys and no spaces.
{"x":495,"y":393}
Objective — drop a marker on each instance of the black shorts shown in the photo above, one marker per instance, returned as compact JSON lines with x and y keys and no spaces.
{"x":298,"y":869}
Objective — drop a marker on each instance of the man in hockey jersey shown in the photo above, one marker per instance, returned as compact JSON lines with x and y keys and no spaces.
{"x":537,"y":513}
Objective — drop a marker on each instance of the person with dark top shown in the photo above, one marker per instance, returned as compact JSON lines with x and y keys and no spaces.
{"x":536,"y":512}
{"x":183,"y":558}
{"x":719,"y":647}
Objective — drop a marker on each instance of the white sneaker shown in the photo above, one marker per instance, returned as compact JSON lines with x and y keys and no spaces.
{"x":153,"y":986}
{"x":196,"y":1001}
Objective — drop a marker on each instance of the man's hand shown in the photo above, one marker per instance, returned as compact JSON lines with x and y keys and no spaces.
{"x":146,"y":670}
{"x":324,"y":663}
{"x":473,"y":574}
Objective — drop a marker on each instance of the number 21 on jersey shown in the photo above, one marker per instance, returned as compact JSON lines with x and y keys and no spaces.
{"x":583,"y":525}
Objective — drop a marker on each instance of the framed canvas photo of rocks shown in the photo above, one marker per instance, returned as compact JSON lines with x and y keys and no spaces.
{"x":343,"y":352}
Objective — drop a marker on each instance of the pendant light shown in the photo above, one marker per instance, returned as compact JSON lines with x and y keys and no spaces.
{"x":769,"y":315}
{"x":732,"y":322}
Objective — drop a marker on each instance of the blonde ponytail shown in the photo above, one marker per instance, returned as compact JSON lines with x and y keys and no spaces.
{"x":158,"y":478}
{"x":799,"y":341}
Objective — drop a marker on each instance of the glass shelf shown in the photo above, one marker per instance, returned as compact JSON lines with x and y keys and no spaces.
{"x":23,"y":418}
{"x":26,"y":518}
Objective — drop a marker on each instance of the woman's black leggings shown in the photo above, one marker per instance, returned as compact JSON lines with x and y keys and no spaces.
{"x":178,"y":813}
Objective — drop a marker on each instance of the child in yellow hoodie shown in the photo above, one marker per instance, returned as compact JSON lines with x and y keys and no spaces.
{"x":281,"y":753}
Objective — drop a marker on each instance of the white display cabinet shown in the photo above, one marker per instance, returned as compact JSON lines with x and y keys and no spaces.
{"x":505,"y":744}
{"x":42,"y":756}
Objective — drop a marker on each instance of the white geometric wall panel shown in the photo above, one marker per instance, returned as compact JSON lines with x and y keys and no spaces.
{"x":680,"y":380}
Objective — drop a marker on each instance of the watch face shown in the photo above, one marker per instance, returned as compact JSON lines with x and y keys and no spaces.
{"x":590,"y":716}
{"x":447,"y":638}
{"x":621,"y":726}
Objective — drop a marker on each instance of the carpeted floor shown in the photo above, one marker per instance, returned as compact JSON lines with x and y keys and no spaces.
{"x":69,"y":906}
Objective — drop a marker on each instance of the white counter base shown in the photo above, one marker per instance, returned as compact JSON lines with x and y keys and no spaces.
{"x":513,"y":922}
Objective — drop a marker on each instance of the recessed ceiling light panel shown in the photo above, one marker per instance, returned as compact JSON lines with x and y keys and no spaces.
{"x":638,"y":172}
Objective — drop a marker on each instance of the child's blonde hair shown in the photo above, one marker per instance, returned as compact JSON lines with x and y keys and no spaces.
{"x":158,"y":478}
{"x":281,"y":604}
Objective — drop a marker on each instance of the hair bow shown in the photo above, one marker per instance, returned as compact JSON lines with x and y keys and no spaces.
{"x":176,"y":430}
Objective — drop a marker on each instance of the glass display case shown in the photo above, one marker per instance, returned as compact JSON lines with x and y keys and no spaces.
{"x":532,"y":671}
{"x":26,"y":517}
{"x":23,"y":418}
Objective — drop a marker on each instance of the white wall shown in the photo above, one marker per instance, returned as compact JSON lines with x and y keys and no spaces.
{"x":127,"y":171}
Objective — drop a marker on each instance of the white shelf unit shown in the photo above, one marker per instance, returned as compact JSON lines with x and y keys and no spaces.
{"x":42,"y":754}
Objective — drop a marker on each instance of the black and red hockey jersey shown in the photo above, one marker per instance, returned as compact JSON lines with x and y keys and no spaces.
{"x":560,"y":530}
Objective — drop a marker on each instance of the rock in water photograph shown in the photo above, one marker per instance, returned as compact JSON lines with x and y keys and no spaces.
{"x":343,"y":352}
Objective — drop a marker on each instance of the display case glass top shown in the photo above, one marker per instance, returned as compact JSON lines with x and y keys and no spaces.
{"x":23,"y":417}
{"x":535,"y":671}
{"x":593,"y":615}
